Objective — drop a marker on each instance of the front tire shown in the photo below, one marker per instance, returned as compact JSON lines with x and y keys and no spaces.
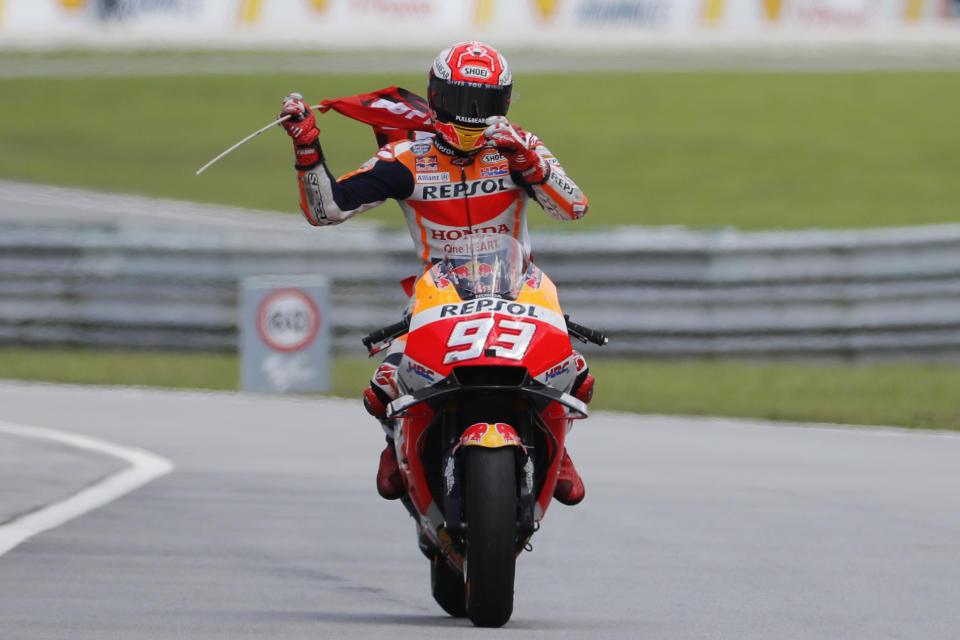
{"x":490,"y":504}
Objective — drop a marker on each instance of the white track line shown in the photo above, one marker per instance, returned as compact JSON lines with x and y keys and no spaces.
{"x":145,"y":466}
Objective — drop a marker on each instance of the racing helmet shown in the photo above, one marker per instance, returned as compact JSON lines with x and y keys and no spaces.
{"x":469,"y":82}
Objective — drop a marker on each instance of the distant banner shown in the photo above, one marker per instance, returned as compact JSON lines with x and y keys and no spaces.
{"x":431,"y":23}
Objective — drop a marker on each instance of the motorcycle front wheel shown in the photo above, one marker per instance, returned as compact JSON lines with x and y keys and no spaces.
{"x":490,"y":506}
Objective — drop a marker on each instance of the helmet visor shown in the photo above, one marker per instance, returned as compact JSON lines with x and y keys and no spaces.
{"x":468,"y":103}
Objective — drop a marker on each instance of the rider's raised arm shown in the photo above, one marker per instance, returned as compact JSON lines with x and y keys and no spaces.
{"x":534,"y":167}
{"x":559,"y":196}
{"x":325,"y":201}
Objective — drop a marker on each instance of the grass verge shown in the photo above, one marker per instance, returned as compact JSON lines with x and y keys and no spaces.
{"x":906,"y":395}
{"x":751,"y":150}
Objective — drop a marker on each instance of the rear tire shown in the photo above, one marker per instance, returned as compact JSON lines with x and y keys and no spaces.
{"x":490,"y":503}
{"x":448,"y":587}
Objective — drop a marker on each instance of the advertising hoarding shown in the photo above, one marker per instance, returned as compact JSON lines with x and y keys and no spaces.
{"x":432,"y":23}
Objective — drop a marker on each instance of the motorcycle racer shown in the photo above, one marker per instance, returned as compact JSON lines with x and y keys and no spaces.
{"x":475,"y":174}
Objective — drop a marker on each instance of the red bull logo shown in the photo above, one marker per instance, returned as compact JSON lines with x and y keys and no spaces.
{"x":490,"y":435}
{"x":473,"y":270}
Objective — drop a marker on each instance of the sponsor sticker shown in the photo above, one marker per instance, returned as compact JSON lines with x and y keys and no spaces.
{"x":558,"y":370}
{"x":519,"y":310}
{"x":491,"y":158}
{"x":385,"y":375}
{"x":581,"y":363}
{"x":420,"y":148}
{"x":497,"y":434}
{"x":475,"y":72}
{"x":433,"y":177}
{"x":427,"y":164}
{"x":491,"y":305}
{"x":481,"y":187}
{"x":418,"y":369}
{"x":559,"y":181}
{"x":493,"y":172}
{"x":456,"y":234}
{"x":533,"y":277}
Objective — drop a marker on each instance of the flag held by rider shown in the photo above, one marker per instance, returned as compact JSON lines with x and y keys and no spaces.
{"x":393,"y":112}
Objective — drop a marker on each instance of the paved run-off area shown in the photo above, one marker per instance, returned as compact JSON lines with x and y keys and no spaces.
{"x":692,"y":528}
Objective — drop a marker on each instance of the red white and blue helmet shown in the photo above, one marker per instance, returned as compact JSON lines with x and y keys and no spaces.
{"x":469,"y":82}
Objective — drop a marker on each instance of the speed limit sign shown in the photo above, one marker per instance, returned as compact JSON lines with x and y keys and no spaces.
{"x":285,"y":334}
{"x":288,"y":320}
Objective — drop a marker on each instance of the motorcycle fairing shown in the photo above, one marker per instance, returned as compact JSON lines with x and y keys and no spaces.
{"x":495,"y":330}
{"x":473,"y":354}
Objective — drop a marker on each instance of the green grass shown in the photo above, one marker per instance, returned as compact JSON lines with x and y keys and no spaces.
{"x":905,"y":395}
{"x":177,"y":370}
{"x":752,"y":150}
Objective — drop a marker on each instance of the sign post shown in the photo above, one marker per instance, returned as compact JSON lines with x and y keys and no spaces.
{"x":285,"y":334}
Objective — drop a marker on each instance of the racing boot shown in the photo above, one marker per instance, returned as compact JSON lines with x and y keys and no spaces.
{"x":569,"y":489}
{"x":389,"y":482}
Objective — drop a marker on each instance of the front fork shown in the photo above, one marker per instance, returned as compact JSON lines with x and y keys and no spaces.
{"x":489,"y":435}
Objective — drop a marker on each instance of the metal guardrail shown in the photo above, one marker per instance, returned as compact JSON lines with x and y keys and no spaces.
{"x":656,"y":292}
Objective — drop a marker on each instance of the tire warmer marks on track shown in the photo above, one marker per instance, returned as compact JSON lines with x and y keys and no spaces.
{"x":144,"y":467}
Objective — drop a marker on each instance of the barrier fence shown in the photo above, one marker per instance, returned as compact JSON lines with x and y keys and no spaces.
{"x":656,"y":292}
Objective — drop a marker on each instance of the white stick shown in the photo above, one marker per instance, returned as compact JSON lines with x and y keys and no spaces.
{"x":247,"y":139}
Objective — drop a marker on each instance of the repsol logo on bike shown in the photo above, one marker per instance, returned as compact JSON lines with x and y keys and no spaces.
{"x":460,"y":189}
{"x":489,"y":304}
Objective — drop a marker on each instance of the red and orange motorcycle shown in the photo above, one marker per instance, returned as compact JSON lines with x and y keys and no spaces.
{"x":483,"y":408}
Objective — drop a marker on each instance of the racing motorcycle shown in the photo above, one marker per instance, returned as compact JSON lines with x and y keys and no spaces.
{"x":483,"y":408}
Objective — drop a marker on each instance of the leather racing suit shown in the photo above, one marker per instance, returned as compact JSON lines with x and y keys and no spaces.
{"x":443,"y":195}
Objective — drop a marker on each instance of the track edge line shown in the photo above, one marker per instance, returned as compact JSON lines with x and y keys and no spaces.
{"x":144,"y":467}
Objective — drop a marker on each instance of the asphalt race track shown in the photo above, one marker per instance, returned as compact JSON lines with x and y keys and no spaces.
{"x":269,"y":526}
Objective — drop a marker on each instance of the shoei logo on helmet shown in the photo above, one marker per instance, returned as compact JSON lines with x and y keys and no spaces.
{"x":475,"y":72}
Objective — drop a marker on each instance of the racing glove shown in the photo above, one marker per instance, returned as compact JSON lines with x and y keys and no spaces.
{"x":519,"y":148}
{"x":302,"y":127}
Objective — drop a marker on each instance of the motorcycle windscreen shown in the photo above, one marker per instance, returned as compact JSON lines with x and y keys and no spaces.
{"x":485,"y":264}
